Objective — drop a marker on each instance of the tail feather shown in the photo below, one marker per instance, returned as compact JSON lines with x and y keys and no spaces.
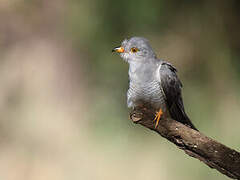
{"x":188,"y":122}
{"x":178,"y":114}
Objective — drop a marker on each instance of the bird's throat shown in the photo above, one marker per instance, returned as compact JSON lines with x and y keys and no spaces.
{"x":140,"y":72}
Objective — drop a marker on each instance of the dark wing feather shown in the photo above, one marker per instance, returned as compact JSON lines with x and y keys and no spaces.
{"x":171,"y":87}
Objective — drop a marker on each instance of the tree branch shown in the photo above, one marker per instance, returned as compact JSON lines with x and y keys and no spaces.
{"x":194,"y":143}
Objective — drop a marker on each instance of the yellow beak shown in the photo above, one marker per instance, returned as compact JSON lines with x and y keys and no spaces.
{"x":118,"y":49}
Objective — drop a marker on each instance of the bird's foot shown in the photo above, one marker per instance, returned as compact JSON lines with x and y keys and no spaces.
{"x":158,"y":117}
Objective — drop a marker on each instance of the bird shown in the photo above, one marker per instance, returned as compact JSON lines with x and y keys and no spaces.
{"x":152,"y":81}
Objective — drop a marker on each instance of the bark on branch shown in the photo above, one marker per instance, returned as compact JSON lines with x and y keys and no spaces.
{"x":194,"y":143}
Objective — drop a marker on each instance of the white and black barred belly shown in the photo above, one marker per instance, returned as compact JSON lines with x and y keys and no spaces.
{"x":147,"y":92}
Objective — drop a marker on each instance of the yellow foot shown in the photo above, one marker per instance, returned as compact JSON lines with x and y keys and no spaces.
{"x":157,"y":117}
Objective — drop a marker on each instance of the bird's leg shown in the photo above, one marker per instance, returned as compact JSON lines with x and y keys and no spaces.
{"x":158,"y":117}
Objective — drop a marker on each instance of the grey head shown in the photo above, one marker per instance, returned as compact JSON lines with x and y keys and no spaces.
{"x":135,"y":49}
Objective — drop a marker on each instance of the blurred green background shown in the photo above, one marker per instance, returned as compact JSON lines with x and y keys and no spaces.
{"x":63,"y":113}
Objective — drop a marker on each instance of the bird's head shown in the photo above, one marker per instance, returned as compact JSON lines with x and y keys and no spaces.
{"x":135,"y":49}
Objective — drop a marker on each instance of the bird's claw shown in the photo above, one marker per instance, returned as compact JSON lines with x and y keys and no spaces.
{"x":158,"y":117}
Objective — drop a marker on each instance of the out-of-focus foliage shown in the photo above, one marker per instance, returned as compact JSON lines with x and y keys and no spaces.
{"x":63,"y":111}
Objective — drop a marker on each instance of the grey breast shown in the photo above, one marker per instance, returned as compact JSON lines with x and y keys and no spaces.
{"x":146,"y":90}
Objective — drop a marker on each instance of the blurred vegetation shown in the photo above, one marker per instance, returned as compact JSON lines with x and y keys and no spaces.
{"x":63,"y":111}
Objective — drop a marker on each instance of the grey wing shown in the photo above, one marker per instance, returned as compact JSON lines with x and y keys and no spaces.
{"x":171,"y":87}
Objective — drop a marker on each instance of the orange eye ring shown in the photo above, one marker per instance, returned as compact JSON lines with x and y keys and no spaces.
{"x":134,"y":50}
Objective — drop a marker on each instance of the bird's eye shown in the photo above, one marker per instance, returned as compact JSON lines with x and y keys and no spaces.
{"x":134,"y":50}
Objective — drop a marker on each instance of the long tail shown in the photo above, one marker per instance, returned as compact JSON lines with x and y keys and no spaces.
{"x":177,"y":112}
{"x":188,"y":122}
